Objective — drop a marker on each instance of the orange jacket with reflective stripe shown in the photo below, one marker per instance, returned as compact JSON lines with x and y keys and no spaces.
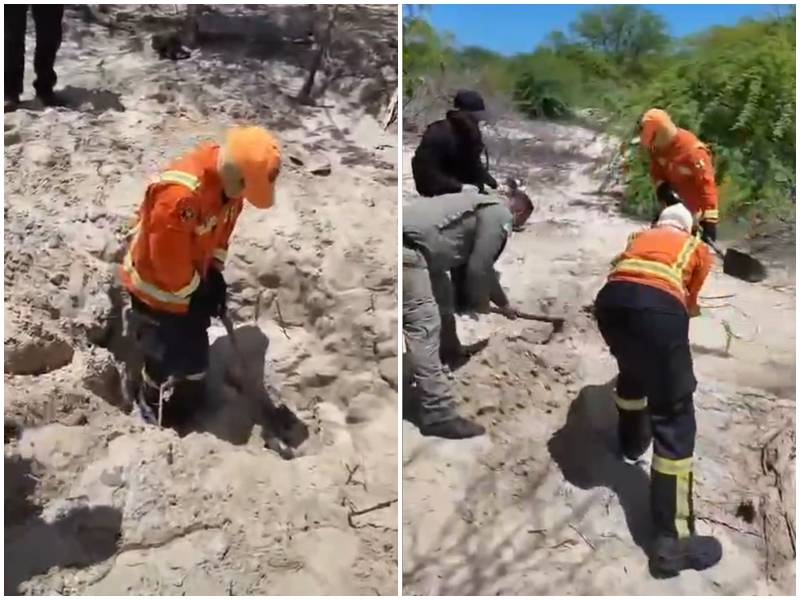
{"x":686,"y":164}
{"x":185,"y":223}
{"x":668,"y":259}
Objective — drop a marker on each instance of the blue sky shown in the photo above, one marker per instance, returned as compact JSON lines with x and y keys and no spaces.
{"x":508,"y":29}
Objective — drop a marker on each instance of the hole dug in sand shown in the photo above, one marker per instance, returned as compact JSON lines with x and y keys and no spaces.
{"x":36,"y":353}
{"x":240,"y":398}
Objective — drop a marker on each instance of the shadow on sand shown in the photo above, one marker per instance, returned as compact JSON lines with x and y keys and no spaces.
{"x":81,"y":537}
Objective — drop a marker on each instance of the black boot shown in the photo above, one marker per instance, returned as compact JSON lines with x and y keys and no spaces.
{"x":188,"y":399}
{"x":457,"y":428}
{"x":671,"y":555}
{"x":51,"y":98}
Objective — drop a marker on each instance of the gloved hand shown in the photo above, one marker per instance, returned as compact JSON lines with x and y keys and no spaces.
{"x":210,"y":297}
{"x":709,"y":231}
{"x":508,"y":311}
{"x":217,"y":292}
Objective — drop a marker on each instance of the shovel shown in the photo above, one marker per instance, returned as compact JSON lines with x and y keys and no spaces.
{"x":557,"y":322}
{"x":236,"y":376}
{"x":740,"y":264}
{"x":280,"y":418}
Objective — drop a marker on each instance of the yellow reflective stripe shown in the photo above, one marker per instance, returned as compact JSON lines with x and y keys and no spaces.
{"x":667,"y":466}
{"x":686,"y":252}
{"x":682,"y":512}
{"x":650,"y":267}
{"x":709,"y":214}
{"x":626,"y":404}
{"x":221,"y":254}
{"x":196,"y":376}
{"x":181,"y":178}
{"x":180,"y":296}
{"x":673,"y":273}
{"x":206,"y":227}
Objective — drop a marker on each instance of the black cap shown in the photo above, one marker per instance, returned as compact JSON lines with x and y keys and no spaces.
{"x":469,"y":100}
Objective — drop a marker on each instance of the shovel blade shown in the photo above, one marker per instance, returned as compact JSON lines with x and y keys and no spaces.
{"x":743,"y":266}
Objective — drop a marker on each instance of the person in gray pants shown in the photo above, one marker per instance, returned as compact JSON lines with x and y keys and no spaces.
{"x":465,"y":232}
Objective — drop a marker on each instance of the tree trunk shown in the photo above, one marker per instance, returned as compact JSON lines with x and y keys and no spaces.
{"x":304,"y":96}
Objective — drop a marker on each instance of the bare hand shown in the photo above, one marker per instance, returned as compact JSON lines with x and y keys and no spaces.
{"x":508,"y":311}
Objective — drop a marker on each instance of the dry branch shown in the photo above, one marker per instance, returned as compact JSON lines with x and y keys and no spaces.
{"x":304,"y":97}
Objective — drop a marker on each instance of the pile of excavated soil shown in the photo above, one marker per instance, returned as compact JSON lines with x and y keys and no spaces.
{"x":97,"y":502}
{"x":541,"y":504}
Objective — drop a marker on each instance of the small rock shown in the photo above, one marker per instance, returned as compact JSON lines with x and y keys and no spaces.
{"x":75,"y":419}
{"x":39,"y":154}
{"x":112,"y":478}
{"x":322,"y":170}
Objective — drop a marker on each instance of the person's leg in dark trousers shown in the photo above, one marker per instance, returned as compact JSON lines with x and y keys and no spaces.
{"x":633,"y":427}
{"x":173,"y":346}
{"x":670,"y":385}
{"x":48,"y":20}
{"x":14,"y":64}
{"x":433,"y":405}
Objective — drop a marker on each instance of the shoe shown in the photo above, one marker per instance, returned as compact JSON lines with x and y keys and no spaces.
{"x":671,"y":555}
{"x":51,"y":99}
{"x":10,"y":104}
{"x":457,"y":428}
{"x":144,"y":411}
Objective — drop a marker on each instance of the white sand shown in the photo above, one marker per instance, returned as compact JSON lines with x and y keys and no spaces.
{"x":95,"y":501}
{"x":540,"y":505}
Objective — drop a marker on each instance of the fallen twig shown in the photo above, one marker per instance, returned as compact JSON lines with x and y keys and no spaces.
{"x":357,"y":513}
{"x":583,"y":537}
{"x":350,"y":472}
{"x":722,"y":297}
{"x":281,"y":322}
{"x":728,"y":526}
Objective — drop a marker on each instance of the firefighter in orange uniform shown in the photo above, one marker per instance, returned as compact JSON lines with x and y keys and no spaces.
{"x":643,"y":313}
{"x":679,"y":160}
{"x":173,"y":268}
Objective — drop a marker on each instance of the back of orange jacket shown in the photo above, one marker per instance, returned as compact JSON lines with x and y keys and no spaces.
{"x":668,"y":259}
{"x":185,"y":223}
{"x":686,"y":164}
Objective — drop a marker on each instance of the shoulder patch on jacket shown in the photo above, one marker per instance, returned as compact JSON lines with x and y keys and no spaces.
{"x":188,"y":214}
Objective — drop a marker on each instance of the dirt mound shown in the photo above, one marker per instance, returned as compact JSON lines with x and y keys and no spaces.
{"x":542,"y":505}
{"x":96,"y":502}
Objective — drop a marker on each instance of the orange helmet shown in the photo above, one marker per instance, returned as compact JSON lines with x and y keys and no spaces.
{"x":255,"y":153}
{"x":653,"y":122}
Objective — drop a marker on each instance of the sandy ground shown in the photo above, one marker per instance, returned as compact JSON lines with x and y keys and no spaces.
{"x":95,"y":501}
{"x":541,"y":505}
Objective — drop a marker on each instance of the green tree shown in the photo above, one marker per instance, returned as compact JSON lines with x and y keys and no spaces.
{"x":425,"y":52}
{"x":627,"y":33}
